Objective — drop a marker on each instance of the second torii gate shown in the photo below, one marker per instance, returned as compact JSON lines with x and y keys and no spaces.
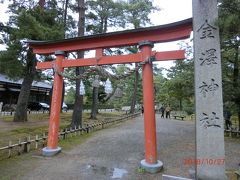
{"x":145,"y":38}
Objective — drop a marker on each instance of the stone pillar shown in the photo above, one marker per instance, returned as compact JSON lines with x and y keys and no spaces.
{"x":150,"y":163}
{"x":54,"y":121}
{"x":210,"y":155}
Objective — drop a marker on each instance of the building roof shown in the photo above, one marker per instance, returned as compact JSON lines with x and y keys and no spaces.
{"x":40,"y":84}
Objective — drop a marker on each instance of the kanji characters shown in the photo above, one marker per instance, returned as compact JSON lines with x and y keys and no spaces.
{"x":206,"y":30}
{"x":205,"y":88}
{"x":210,"y":120}
{"x":208,"y":57}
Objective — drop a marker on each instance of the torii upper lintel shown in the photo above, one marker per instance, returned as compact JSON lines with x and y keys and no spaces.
{"x":156,"y":34}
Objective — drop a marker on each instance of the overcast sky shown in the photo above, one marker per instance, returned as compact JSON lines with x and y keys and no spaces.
{"x":171,"y":11}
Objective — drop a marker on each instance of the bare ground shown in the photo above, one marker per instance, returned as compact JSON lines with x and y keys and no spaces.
{"x":122,"y":147}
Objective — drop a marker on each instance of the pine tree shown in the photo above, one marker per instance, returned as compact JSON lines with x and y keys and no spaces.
{"x":78,"y":104}
{"x":230,"y":42}
{"x":137,"y":15}
{"x":29,"y":20}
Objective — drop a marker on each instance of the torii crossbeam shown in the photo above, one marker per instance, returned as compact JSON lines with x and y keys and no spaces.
{"x":145,"y":38}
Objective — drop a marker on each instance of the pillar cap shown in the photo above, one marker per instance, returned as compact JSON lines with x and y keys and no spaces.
{"x":60,"y":53}
{"x":145,"y":43}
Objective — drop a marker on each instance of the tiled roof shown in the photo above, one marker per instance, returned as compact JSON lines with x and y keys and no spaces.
{"x":4,"y":78}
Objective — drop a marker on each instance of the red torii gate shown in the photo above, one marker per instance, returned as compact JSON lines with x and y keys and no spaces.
{"x":145,"y":38}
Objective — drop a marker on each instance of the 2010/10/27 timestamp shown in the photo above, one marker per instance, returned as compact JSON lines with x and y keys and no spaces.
{"x":204,"y":161}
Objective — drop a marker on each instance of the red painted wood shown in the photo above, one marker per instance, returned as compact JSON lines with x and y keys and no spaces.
{"x":54,"y":120}
{"x":149,"y":111}
{"x":45,"y":65}
{"x":170,"y":55}
{"x":164,"y":33}
{"x":118,"y":59}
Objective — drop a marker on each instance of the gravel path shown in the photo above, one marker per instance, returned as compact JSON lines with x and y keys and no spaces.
{"x":117,"y":151}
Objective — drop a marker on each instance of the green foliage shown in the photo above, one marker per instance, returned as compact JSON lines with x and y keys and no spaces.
{"x":141,"y":170}
{"x":70,"y":97}
{"x":100,"y":17}
{"x":27,"y":21}
{"x":103,"y":14}
{"x":229,"y":19}
{"x":180,"y":85}
{"x":9,"y":63}
{"x":127,"y":87}
{"x":137,"y":12}
{"x":229,"y":25}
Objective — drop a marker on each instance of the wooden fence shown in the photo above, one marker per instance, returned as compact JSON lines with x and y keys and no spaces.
{"x":40,"y":140}
{"x":232,"y":132}
{"x":11,"y":113}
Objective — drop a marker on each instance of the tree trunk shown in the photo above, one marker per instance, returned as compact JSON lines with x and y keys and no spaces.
{"x":65,"y":25}
{"x":65,"y":16}
{"x":237,"y":74}
{"x":236,"y":83}
{"x":78,"y":105}
{"x":134,"y":96}
{"x":41,"y":3}
{"x":94,"y":103}
{"x":94,"y":109}
{"x":21,"y":109}
{"x":236,"y":69}
{"x":180,"y":104}
{"x":238,"y":118}
{"x":63,"y":94}
{"x":105,"y":25}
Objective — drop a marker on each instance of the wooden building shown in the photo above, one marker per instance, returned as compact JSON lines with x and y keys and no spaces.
{"x":10,"y":89}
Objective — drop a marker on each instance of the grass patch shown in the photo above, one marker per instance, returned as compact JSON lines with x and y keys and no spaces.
{"x":72,"y":141}
{"x":38,"y":125}
{"x":31,"y":117}
{"x":30,"y":131}
{"x":140,"y":170}
{"x":231,"y":175}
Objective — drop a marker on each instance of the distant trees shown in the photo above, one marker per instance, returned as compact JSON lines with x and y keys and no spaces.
{"x":38,"y":20}
{"x":180,"y":86}
{"x":137,"y":15}
{"x":102,"y":15}
{"x":230,"y":42}
{"x":50,"y":20}
{"x":179,"y":82}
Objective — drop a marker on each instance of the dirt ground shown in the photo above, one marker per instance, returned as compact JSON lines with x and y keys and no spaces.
{"x":115,"y":153}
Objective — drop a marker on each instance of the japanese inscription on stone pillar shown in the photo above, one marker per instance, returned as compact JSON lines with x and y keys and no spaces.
{"x":208,"y":91}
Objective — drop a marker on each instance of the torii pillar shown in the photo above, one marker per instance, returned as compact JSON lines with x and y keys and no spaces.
{"x":52,"y":144}
{"x":150,"y":163}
